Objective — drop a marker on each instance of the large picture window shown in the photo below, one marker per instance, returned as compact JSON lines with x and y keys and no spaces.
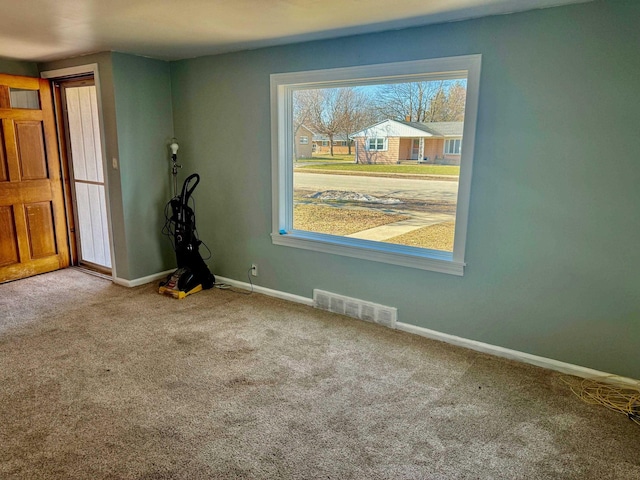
{"x":385,"y":193}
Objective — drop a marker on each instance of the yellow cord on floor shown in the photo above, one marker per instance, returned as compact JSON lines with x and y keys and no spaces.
{"x":619,"y":398}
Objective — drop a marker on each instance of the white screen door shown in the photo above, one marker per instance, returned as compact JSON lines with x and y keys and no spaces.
{"x":87,"y":175}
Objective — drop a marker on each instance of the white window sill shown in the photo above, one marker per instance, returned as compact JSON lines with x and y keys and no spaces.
{"x":413,"y":257}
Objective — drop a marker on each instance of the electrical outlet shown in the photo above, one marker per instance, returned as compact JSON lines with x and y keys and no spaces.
{"x":254,"y":270}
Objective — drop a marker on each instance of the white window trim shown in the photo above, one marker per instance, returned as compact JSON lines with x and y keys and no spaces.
{"x":304,"y":140}
{"x":282,"y":87}
{"x":449,"y":141}
{"x":384,"y":144}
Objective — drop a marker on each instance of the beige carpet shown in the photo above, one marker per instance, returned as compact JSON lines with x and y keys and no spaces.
{"x":103,"y":382}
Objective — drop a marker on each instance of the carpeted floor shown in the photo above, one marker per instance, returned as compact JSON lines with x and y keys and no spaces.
{"x":103,"y":382}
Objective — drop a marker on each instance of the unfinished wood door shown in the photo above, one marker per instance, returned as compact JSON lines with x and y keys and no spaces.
{"x":33,"y":234}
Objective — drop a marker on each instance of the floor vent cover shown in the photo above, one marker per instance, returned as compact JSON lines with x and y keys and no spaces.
{"x":356,"y":308}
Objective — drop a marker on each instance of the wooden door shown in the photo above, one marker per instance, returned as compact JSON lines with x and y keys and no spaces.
{"x":33,"y":233}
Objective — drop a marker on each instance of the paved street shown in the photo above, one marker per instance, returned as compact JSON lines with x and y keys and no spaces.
{"x":430,"y":190}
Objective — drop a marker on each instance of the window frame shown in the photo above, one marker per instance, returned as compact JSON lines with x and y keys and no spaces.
{"x":304,"y":139}
{"x":282,"y":87}
{"x":383,"y":148}
{"x":452,"y":141}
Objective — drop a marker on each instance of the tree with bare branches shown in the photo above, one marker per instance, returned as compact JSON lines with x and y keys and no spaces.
{"x":333,"y":111}
{"x":432,"y":101}
{"x":357,"y":112}
{"x":301,"y":114}
{"x":343,"y":111}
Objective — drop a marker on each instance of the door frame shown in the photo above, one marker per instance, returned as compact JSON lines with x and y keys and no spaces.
{"x":61,"y":86}
{"x":68,"y":74}
{"x":415,"y":149}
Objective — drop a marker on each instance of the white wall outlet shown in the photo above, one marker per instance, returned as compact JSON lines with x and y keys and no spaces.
{"x":254,"y":270}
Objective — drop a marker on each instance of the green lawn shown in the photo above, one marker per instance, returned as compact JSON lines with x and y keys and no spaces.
{"x":410,"y":169}
{"x":340,"y":221}
{"x":328,"y":158}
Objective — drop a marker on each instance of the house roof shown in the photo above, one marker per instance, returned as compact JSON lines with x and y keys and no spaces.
{"x":317,"y":137}
{"x":303,"y":126}
{"x":444,"y":129}
{"x":394,"y":128}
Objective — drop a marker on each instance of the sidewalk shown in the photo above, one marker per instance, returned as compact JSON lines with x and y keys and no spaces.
{"x":391,"y":230}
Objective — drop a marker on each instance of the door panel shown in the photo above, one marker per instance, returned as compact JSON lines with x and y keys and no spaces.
{"x":32,"y":215}
{"x":4,"y":171}
{"x":31,"y":153}
{"x":42,"y":239}
{"x":86,"y":149}
{"x":92,"y":221}
{"x":8,"y":239}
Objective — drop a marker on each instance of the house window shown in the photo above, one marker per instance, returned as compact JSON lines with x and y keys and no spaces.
{"x":377,"y":144}
{"x":452,"y":147}
{"x":345,"y":216}
{"x":304,"y":140}
{"x":325,"y":143}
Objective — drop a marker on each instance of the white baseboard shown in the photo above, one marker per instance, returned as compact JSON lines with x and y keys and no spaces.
{"x":523,"y":357}
{"x":265,"y":291}
{"x":234,"y":283}
{"x":142,"y":280}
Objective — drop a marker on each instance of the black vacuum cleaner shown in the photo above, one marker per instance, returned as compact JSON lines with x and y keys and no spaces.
{"x":192,"y":274}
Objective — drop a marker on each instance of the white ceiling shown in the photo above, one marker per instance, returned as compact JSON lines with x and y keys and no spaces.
{"x":41,"y":30}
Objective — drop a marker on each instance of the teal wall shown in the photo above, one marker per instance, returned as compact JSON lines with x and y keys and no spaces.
{"x":145,"y":127}
{"x":552,"y":241}
{"x":18,"y":67}
{"x":137,"y":117}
